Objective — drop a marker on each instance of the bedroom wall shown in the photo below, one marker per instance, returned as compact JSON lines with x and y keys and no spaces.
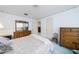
{"x":34,"y":26}
{"x":8,"y":21}
{"x":69,"y":18}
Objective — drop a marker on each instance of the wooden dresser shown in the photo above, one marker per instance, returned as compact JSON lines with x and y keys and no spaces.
{"x":19,"y":34}
{"x":69,"y":37}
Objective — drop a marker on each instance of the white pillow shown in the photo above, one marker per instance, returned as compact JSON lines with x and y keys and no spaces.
{"x":4,"y":40}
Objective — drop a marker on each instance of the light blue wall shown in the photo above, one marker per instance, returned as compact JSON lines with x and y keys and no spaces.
{"x":69,"y":18}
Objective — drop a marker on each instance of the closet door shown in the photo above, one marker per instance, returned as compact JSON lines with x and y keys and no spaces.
{"x":47,"y":27}
{"x":49,"y":30}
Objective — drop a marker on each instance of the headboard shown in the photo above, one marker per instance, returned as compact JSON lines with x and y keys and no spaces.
{"x":19,"y":34}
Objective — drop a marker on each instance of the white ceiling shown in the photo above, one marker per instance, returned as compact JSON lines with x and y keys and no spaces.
{"x":35,"y":11}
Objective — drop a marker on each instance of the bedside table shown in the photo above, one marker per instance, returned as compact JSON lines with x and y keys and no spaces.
{"x":7,"y":36}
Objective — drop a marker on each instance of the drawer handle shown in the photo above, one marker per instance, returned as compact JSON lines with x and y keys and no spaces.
{"x":75,"y":43}
{"x":77,"y":34}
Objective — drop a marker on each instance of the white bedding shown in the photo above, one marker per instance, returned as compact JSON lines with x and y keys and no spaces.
{"x":32,"y":44}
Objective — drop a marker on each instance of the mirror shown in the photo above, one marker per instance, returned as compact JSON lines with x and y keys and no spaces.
{"x":21,"y":25}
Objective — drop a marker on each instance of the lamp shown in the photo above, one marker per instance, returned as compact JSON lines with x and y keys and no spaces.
{"x":1,"y":26}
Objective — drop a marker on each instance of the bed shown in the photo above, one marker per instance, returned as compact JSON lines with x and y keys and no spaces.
{"x":32,"y":44}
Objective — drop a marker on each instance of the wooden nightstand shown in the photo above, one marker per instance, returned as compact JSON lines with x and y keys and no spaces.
{"x":7,"y":36}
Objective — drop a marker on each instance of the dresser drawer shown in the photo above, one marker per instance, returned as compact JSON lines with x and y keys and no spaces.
{"x":19,"y":34}
{"x":75,"y":30}
{"x":68,"y":44}
{"x":65,"y":29}
{"x":71,"y":33}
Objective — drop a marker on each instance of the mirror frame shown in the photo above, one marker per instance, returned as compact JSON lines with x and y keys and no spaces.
{"x":19,"y":21}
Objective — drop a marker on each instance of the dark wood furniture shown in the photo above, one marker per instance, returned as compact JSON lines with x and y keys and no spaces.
{"x":7,"y":36}
{"x":19,"y":34}
{"x":69,"y":37}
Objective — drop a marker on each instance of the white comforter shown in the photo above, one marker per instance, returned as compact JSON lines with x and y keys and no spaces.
{"x":32,"y":44}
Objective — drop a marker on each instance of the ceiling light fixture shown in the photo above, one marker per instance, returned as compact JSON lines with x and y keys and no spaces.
{"x":35,"y":5}
{"x":25,"y":14}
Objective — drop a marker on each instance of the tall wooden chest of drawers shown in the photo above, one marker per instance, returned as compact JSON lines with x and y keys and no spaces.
{"x":69,"y":37}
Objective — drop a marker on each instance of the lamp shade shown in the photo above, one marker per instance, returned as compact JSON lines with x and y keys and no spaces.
{"x":1,"y":26}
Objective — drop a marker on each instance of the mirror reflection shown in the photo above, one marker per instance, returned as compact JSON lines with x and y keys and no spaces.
{"x":21,"y":25}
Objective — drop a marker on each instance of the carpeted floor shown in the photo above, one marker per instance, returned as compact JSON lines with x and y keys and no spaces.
{"x":61,"y":50}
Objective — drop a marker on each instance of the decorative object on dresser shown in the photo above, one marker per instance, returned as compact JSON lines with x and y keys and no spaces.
{"x":19,"y":34}
{"x":69,"y":37}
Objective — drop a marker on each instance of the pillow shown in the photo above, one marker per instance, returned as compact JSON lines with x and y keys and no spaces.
{"x":5,"y":45}
{"x":4,"y":40}
{"x":5,"y":48}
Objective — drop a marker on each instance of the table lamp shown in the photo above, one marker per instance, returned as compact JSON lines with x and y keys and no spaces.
{"x":1,"y":26}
